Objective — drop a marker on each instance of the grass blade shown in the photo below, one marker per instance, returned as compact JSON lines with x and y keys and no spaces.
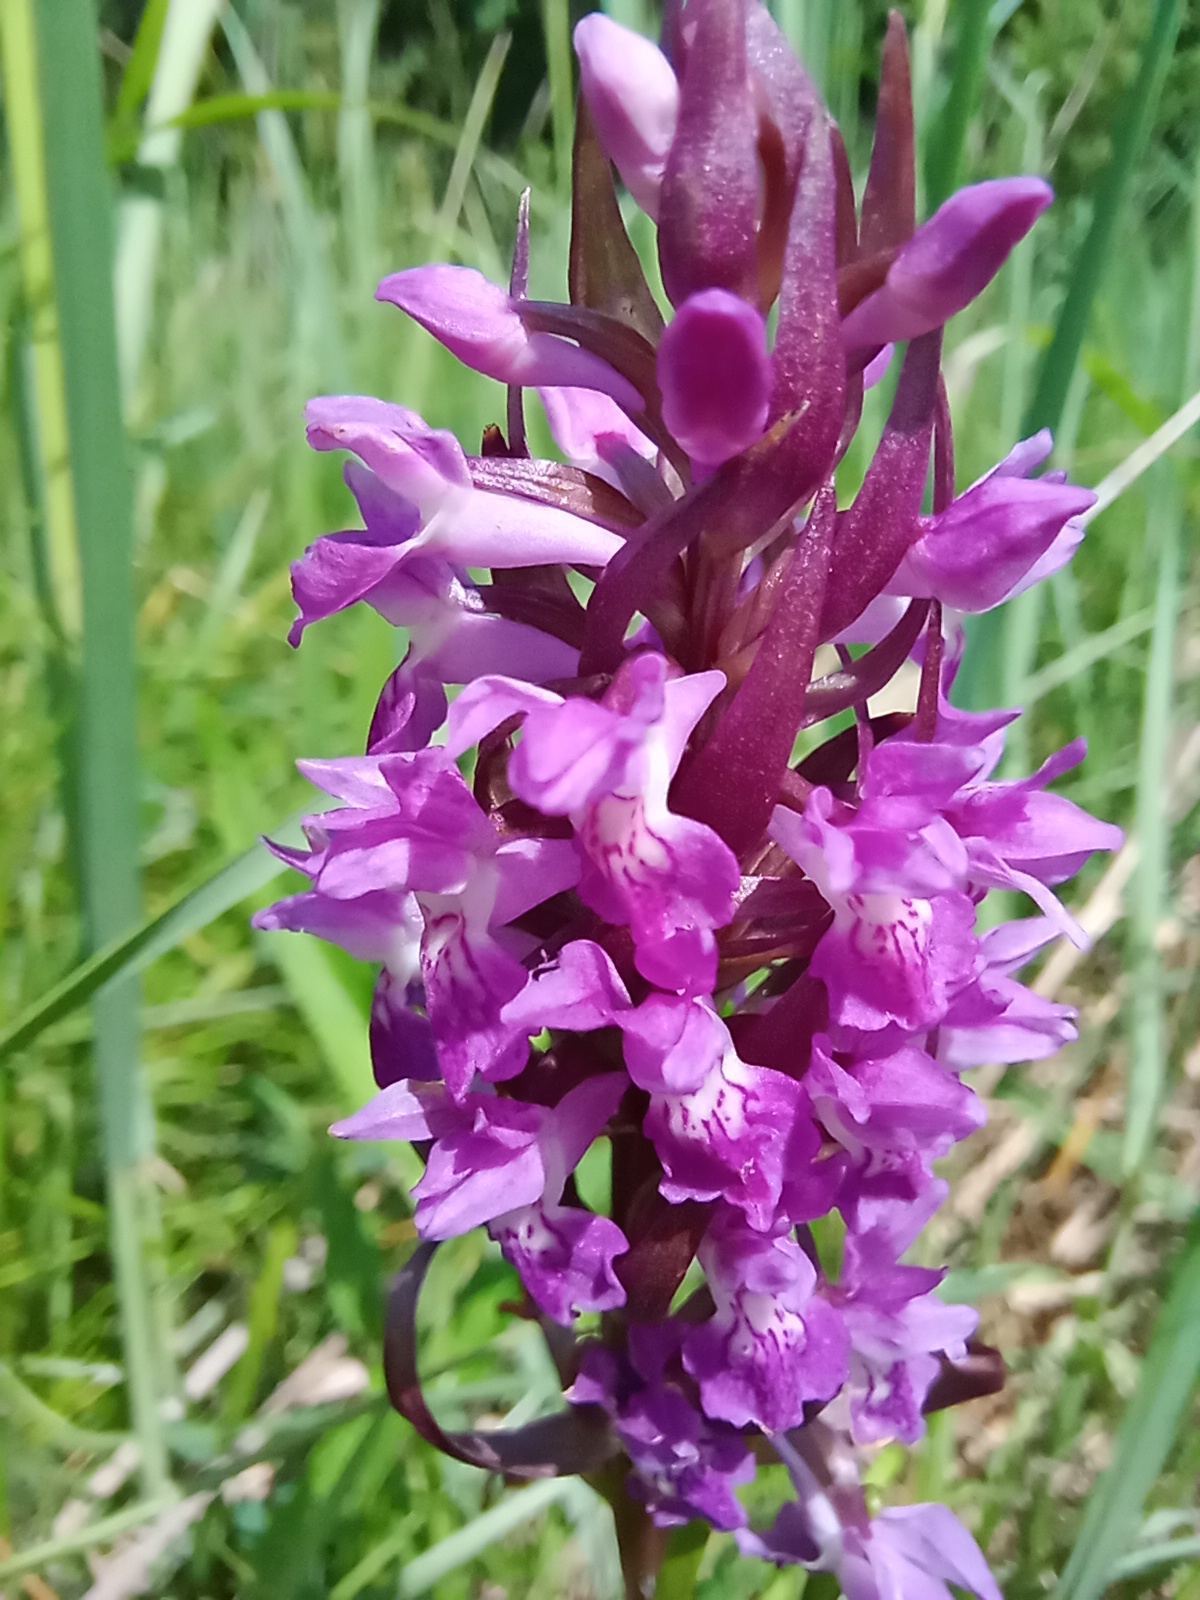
{"x":1148,"y":1041}
{"x":133,"y":951}
{"x":1169,"y":1375}
{"x":948,"y":133}
{"x":448,"y":1555}
{"x":1058,"y":365}
{"x":64,"y":91}
{"x":167,"y":69}
{"x":556,"y":29}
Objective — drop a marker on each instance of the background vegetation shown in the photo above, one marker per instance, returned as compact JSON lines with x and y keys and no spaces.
{"x":190,"y":1273}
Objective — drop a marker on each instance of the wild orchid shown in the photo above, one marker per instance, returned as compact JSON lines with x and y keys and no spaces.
{"x":640,"y":859}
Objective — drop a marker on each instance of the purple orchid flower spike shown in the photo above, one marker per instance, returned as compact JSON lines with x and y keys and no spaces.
{"x":618,"y":913}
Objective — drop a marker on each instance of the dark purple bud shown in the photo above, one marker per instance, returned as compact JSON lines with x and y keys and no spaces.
{"x":715,"y":376}
{"x":708,"y":210}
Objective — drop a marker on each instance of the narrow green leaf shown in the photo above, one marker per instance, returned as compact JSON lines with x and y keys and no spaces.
{"x":947,"y":134}
{"x":1151,"y":1557}
{"x":556,"y":28}
{"x":242,"y":1385}
{"x":685,"y":1551}
{"x":139,"y":69}
{"x":134,"y":951}
{"x":104,"y":1531}
{"x":471,"y":1540}
{"x":1169,"y":1375}
{"x":1148,"y":1037}
{"x":169,"y":53}
{"x":1059,"y":362}
{"x":65,"y":92}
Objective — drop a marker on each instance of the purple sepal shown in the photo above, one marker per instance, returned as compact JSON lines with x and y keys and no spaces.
{"x":901,"y":1101}
{"x":998,"y":1020}
{"x":477,"y":322}
{"x":1004,"y":534}
{"x":948,"y":261}
{"x":898,"y":1329}
{"x":633,"y":96}
{"x":564,"y":1256}
{"x":464,"y":526}
{"x":771,"y":1345}
{"x":490,"y":1156}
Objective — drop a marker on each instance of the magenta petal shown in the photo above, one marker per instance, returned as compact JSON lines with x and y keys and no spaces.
{"x":672,"y":1044}
{"x":336,"y":572}
{"x":580,"y":990}
{"x":949,"y":260}
{"x":490,"y":1164}
{"x":715,"y":375}
{"x":468,"y":981}
{"x":404,"y":1110}
{"x":770,"y":1345}
{"x":486,"y":703}
{"x":992,"y":541}
{"x":477,"y":322}
{"x":564,"y":1257}
{"x":932,"y":1540}
{"x":633,"y":96}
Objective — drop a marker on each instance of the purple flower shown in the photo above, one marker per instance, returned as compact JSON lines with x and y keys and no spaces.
{"x":996,"y":1019}
{"x":898,"y":1328}
{"x":772,"y":1343}
{"x":949,"y":261}
{"x":493,"y":1160}
{"x":684,"y":1465}
{"x":1007,"y":532}
{"x":413,"y":829}
{"x":897,"y":950}
{"x":898,"y":1102}
{"x":462,"y":525}
{"x":607,"y":765}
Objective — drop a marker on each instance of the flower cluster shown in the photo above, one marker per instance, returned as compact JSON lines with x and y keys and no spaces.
{"x":629,"y":882}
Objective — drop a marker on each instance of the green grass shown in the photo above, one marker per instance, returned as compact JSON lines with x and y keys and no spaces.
{"x":308,"y":154}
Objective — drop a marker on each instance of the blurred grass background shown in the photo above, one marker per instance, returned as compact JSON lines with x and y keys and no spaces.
{"x":190,"y":1273}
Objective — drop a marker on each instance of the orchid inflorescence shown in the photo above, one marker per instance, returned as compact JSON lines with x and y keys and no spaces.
{"x":634,"y":883}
